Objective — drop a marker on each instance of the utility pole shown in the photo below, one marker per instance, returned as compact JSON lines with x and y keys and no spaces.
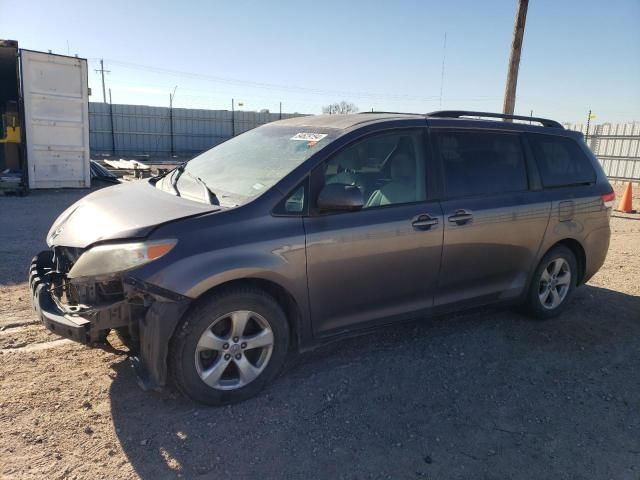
{"x":171,"y":97}
{"x":103,"y":71}
{"x":113,"y":133}
{"x":514,"y":58}
{"x":586,"y":136}
{"x":233,"y":118}
{"x":280,"y":117}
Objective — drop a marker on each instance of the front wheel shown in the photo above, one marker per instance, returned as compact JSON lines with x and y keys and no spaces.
{"x":229,"y":346}
{"x":553,"y":283}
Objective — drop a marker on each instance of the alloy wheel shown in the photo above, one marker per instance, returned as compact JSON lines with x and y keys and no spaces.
{"x":234,"y":350}
{"x":555,"y":282}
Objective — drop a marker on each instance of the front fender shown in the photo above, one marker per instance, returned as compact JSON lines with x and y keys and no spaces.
{"x":195,"y":275}
{"x":240,"y":244}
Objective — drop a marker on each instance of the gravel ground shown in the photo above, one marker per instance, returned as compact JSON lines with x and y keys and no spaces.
{"x":488,"y":394}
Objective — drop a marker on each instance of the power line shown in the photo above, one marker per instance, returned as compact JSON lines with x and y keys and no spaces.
{"x":295,"y":96}
{"x":226,"y":93}
{"x":219,"y":100}
{"x":271,"y":86}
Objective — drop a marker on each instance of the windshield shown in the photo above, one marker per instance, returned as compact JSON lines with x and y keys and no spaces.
{"x":249,"y":164}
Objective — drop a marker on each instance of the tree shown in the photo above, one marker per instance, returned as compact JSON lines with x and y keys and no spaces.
{"x":341,"y":108}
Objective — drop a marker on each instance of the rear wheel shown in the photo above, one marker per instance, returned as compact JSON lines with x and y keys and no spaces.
{"x":553,"y":283}
{"x":229,"y":346}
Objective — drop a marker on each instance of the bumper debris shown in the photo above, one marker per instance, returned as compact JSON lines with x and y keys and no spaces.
{"x":86,"y":310}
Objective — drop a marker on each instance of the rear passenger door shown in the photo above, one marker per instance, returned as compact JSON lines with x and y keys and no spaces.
{"x":493,"y":221}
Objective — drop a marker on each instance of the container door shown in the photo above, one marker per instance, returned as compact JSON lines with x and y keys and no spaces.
{"x":56,"y":120}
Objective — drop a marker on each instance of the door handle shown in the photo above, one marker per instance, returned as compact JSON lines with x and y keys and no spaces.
{"x":461,"y":217}
{"x":424,"y":222}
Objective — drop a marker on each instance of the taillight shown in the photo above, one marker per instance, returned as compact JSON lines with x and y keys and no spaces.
{"x":608,"y":199}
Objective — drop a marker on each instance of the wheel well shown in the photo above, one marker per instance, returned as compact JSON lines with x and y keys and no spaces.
{"x":578,"y":251}
{"x":279,"y":293}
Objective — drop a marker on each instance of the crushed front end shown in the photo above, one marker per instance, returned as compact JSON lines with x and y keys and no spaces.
{"x":86,"y":309}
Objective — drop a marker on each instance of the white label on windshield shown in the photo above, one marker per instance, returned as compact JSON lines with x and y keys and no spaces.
{"x":309,"y":137}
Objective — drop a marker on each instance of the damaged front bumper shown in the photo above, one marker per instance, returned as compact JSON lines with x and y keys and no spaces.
{"x":147,"y":312}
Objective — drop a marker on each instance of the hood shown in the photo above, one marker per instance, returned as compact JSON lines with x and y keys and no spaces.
{"x":129,"y":210}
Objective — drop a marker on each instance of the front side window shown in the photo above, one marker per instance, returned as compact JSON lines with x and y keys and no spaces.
{"x":247,"y":165}
{"x":561,"y":161}
{"x":481,"y":163}
{"x":294,"y":203}
{"x":387,"y":168}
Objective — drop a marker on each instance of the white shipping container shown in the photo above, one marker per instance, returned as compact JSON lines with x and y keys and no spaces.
{"x":56,"y":120}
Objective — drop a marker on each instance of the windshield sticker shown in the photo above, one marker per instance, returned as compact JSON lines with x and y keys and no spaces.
{"x":257,"y":186}
{"x":312,"y":138}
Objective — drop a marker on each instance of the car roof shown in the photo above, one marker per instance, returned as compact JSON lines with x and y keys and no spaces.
{"x":343,"y":122}
{"x":356,"y":120}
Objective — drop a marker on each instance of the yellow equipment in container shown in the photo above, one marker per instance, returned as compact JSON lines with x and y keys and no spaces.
{"x":11,"y":128}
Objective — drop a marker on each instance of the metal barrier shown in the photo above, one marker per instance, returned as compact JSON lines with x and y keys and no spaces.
{"x":617,"y":147}
{"x":130,"y":130}
{"x":621,"y":168}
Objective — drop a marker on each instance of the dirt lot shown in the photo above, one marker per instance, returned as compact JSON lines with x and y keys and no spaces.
{"x":489,"y":394}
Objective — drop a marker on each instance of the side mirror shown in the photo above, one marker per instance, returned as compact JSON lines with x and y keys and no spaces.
{"x":338,"y":196}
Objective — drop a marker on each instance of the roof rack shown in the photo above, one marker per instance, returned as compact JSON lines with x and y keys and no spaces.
{"x":462,"y":113}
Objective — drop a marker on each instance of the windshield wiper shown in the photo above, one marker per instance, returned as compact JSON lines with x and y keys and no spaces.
{"x":179,"y":170}
{"x":213,"y":199}
{"x":174,"y":178}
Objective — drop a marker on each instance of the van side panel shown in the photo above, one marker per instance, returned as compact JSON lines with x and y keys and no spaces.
{"x":578,"y":213}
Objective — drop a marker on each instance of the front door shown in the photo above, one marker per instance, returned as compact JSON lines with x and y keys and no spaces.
{"x":493,"y":222}
{"x":380,"y":262}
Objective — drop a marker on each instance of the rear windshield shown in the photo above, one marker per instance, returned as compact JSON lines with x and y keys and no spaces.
{"x":561,"y":161}
{"x":249,"y":164}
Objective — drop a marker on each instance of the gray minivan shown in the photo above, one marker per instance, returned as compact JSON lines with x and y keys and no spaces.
{"x":310,"y":228}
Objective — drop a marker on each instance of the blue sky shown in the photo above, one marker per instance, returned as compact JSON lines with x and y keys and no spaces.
{"x":577,"y":54}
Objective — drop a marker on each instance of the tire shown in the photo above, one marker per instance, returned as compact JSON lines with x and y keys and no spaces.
{"x":540,"y":287}
{"x":236,"y":367}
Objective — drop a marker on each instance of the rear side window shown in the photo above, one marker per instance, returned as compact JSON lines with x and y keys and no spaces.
{"x":561,"y":161}
{"x":481,"y":163}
